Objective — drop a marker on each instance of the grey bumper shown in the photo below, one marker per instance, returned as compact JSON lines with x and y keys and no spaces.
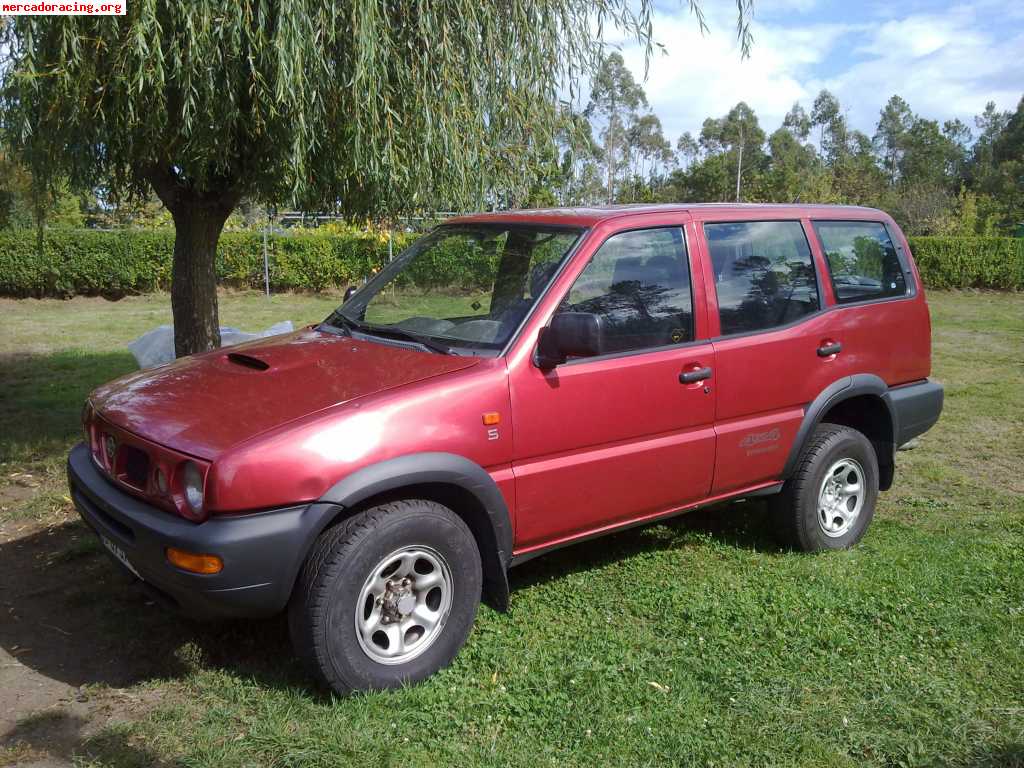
{"x":915,"y":408}
{"x":262,"y":552}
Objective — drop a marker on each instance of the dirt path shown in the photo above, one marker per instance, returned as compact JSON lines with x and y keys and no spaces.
{"x":65,"y":670}
{"x":79,"y":641}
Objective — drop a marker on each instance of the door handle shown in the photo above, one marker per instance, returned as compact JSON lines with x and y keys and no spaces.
{"x":830,"y":348}
{"x":692,"y":377}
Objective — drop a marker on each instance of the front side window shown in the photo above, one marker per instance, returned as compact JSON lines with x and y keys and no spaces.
{"x":764,"y":275}
{"x":862,"y":260}
{"x":462,"y":288}
{"x":638,"y":283}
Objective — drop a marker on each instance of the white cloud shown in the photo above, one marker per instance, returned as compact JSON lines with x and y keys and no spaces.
{"x":945,"y":64}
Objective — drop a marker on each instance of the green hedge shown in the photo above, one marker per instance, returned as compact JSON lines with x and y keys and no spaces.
{"x":119,"y":263}
{"x":113,"y":264}
{"x":970,"y":262}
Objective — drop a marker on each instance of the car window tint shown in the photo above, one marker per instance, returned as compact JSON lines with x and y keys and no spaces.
{"x":862,"y":260}
{"x":639,"y":284}
{"x":764,"y":275}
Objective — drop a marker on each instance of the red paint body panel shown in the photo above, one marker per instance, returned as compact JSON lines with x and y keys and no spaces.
{"x":299,"y":461}
{"x":583,"y":448}
{"x":603,"y":440}
{"x":205,"y":403}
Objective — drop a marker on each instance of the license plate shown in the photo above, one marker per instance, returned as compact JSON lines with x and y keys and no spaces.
{"x":117,"y":552}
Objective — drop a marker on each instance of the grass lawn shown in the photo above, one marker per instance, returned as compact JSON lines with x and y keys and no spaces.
{"x":694,"y":643}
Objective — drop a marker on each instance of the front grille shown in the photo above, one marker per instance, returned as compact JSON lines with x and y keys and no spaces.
{"x":134,"y":466}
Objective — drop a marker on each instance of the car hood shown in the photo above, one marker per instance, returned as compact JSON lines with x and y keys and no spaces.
{"x":206,"y":403}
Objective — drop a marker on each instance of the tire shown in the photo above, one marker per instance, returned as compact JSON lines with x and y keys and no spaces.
{"x":412,"y":570}
{"x":818,"y":509}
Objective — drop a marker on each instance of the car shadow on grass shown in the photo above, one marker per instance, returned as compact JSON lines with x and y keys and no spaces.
{"x":744,"y":525}
{"x":71,"y":614}
{"x":57,"y":737}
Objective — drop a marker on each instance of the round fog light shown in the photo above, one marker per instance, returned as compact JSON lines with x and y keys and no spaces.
{"x":110,"y":446}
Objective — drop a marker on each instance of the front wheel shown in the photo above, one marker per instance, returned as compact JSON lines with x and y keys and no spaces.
{"x":386,"y":597}
{"x":829,"y":501}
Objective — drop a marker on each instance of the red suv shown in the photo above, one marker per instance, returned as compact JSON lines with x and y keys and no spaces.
{"x":511,"y":384}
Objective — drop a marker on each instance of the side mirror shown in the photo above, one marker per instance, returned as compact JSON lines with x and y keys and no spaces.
{"x":349,"y":292}
{"x":571,"y":334}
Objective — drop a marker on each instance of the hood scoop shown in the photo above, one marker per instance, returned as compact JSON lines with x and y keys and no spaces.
{"x":248,"y":361}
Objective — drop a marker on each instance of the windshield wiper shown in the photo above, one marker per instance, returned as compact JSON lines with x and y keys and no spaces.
{"x":338,"y":322}
{"x":400,"y":333}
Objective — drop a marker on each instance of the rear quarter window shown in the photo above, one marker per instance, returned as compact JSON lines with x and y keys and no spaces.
{"x":862,"y":260}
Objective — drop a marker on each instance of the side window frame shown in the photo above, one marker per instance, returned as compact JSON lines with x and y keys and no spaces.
{"x":909,"y":279}
{"x":692,"y":264}
{"x":714,"y":315}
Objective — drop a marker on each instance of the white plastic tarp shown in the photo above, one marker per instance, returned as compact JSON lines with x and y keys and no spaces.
{"x":156,"y":347}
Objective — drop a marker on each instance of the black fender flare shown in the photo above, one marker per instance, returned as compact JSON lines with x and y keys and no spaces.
{"x":438,"y":468}
{"x":835,"y":393}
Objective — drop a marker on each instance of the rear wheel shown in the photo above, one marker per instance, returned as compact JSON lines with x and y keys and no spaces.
{"x":829,"y":501}
{"x":386,"y":597}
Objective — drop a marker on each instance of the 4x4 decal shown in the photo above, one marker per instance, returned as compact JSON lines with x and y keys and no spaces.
{"x":757,"y":438}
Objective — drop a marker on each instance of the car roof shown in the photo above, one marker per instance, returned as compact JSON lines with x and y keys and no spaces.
{"x":589,"y":216}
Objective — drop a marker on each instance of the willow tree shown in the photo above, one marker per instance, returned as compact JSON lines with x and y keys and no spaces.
{"x":364,"y":106}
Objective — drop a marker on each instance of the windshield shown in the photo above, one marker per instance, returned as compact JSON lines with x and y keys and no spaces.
{"x":462,"y":288}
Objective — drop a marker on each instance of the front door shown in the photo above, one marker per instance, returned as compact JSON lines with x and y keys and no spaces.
{"x":625,"y":435}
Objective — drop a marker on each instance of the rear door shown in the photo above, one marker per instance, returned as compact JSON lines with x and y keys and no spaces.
{"x":765,"y":311}
{"x":604,"y":440}
{"x":876,"y":298}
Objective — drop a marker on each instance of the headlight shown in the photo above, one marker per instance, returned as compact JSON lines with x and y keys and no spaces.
{"x":192,"y":482}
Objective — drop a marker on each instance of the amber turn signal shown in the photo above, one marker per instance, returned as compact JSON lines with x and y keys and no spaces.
{"x":190,"y":561}
{"x":491,"y":418}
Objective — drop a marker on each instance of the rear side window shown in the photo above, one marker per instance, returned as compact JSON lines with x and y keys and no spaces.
{"x":764,"y":275}
{"x":862,"y":260}
{"x":639,"y":284}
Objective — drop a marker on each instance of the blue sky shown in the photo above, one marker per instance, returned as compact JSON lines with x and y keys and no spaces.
{"x":946,"y":59}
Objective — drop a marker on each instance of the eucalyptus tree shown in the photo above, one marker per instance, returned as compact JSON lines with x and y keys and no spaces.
{"x":615,"y":98}
{"x":827,"y":115}
{"x":990,"y":124}
{"x":797,"y":122}
{"x":365,"y":107}
{"x":1004,"y":180}
{"x":741,"y":131}
{"x":928,"y":156}
{"x":894,"y":123}
{"x":737,"y":133}
{"x":795,"y":173}
{"x":687,"y":149}
{"x":648,"y":143}
{"x":959,"y":137}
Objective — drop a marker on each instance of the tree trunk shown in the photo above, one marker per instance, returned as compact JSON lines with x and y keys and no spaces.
{"x":194,"y":279}
{"x":198,"y":221}
{"x":609,"y":154}
{"x":739,"y":167}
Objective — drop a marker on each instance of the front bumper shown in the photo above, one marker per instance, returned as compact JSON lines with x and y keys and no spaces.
{"x":262,"y":552}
